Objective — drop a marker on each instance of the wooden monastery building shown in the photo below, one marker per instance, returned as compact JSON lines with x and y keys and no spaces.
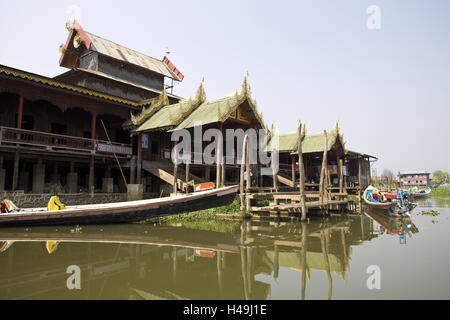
{"x":108,"y":121}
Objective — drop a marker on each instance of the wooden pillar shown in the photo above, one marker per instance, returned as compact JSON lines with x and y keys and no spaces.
{"x":241,"y":182}
{"x":293,"y":169}
{"x":249,"y":178}
{"x":15,"y":181}
{"x":91,"y":176}
{"x":323,"y":173}
{"x":222,"y":180}
{"x":341,"y":176}
{"x":187,"y":175}
{"x":175,"y":169}
{"x":274,"y":172}
{"x":219,"y":153}
{"x":207,"y":173}
{"x":139,"y":160}
{"x":20,"y":113}
{"x":93,"y":124}
{"x":133,"y":170}
{"x":359,"y":179}
{"x":301,"y":171}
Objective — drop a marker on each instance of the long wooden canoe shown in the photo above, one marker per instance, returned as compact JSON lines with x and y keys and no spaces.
{"x":389,"y":207}
{"x":121,"y":212}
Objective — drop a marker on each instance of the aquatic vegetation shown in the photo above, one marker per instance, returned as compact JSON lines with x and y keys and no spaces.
{"x":441,"y":191}
{"x":431,"y":213}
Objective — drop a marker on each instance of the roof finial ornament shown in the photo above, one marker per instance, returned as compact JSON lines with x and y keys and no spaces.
{"x":245,"y":91}
{"x":304,"y":130}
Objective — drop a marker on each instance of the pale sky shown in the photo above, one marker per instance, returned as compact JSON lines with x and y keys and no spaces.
{"x":314,"y":61}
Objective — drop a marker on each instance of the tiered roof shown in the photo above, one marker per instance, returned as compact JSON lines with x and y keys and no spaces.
{"x":159,"y":115}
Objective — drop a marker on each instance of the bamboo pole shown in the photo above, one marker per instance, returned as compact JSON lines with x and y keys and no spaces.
{"x":241,"y":182}
{"x":115,"y":156}
{"x":301,"y":171}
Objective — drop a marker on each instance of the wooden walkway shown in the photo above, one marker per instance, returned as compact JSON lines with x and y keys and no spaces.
{"x":296,"y":207}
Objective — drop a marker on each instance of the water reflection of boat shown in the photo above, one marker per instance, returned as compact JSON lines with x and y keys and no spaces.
{"x":393,"y":225}
{"x":121,"y":212}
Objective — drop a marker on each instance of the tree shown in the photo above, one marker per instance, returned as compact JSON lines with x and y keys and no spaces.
{"x":387,"y":176}
{"x":439,"y":177}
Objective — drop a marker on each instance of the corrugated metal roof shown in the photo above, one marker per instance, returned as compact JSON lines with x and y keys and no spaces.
{"x":120,"y":52}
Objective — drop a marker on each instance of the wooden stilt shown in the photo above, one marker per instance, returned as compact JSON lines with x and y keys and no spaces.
{"x":222,"y":180}
{"x":359,"y":180}
{"x":219,"y":153}
{"x":301,"y":171}
{"x":187,"y":175}
{"x":241,"y":181}
{"x":323,"y":175}
{"x":341,"y":176}
{"x":293,"y":169}
{"x":175,"y":169}
{"x":274,"y":172}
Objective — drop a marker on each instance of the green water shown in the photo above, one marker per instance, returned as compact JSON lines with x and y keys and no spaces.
{"x":323,"y":259}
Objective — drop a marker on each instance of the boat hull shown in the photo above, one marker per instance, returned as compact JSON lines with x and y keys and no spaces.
{"x":123,"y":212}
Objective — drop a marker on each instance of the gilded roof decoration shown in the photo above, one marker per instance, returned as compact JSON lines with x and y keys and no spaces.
{"x":220,"y":110}
{"x":61,"y":85}
{"x":154,"y":106}
{"x":169,"y":116}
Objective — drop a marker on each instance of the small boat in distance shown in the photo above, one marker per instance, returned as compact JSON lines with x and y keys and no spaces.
{"x":121,"y":212}
{"x":377,"y":200}
{"x":422,"y":193}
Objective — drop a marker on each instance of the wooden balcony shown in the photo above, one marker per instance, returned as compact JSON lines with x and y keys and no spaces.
{"x":51,"y":141}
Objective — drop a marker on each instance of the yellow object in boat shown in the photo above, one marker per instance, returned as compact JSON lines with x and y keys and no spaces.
{"x":54,"y":204}
{"x":51,"y":246}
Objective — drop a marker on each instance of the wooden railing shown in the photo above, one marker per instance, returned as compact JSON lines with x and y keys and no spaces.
{"x":57,"y":141}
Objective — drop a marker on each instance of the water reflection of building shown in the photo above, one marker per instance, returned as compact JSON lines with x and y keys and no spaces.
{"x":165,"y":262}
